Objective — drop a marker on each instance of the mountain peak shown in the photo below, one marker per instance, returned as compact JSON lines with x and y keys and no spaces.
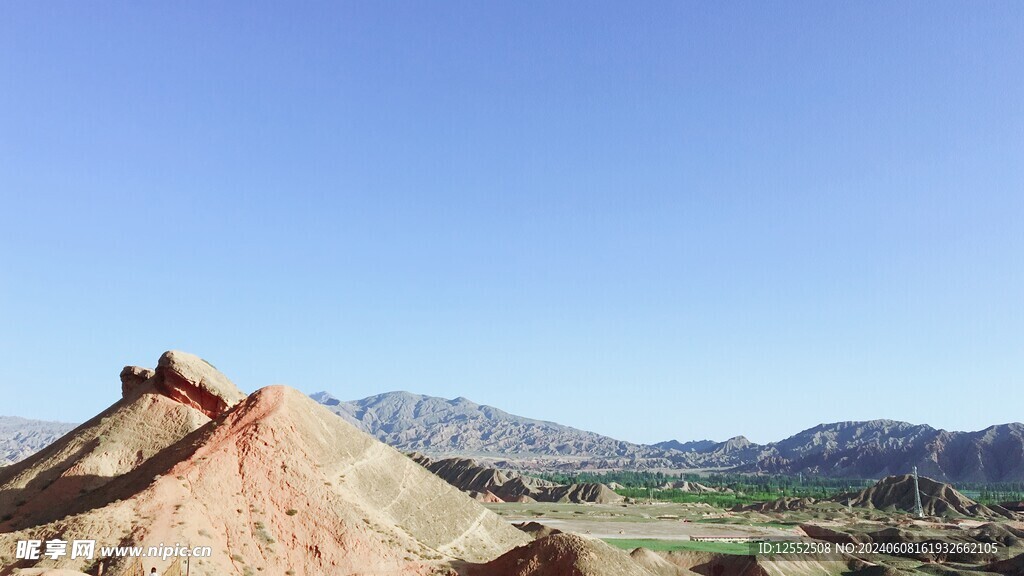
{"x":325,"y":398}
{"x":459,"y":426}
{"x":734,"y":444}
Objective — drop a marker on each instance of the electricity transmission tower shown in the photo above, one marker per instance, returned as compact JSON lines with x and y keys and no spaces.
{"x":918,"y":511}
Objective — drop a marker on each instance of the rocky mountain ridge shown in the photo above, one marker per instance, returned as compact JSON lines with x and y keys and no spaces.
{"x":878,"y":448}
{"x":868,"y":449}
{"x":437,"y":426}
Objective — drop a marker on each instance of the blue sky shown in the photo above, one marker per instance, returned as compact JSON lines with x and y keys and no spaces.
{"x":679,"y":220}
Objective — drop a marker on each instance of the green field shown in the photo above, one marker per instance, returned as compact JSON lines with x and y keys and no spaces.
{"x":680,"y":545}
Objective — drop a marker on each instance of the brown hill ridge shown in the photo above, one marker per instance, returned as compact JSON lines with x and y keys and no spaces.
{"x":493,"y":485}
{"x":937,"y":498}
{"x":275,"y":484}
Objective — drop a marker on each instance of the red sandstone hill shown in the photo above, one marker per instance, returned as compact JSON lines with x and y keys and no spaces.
{"x":274,"y":483}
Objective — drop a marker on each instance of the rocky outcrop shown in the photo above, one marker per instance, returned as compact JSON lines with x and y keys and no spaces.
{"x":133,"y":377}
{"x":195,"y":382}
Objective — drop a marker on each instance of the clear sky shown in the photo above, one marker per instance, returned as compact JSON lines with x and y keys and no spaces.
{"x":674,"y":220}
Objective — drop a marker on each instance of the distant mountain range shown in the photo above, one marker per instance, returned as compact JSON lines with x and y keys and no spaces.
{"x":443,"y":428}
{"x":885,"y":447}
{"x":871,"y":449}
{"x":20,"y":437}
{"x":437,"y":426}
